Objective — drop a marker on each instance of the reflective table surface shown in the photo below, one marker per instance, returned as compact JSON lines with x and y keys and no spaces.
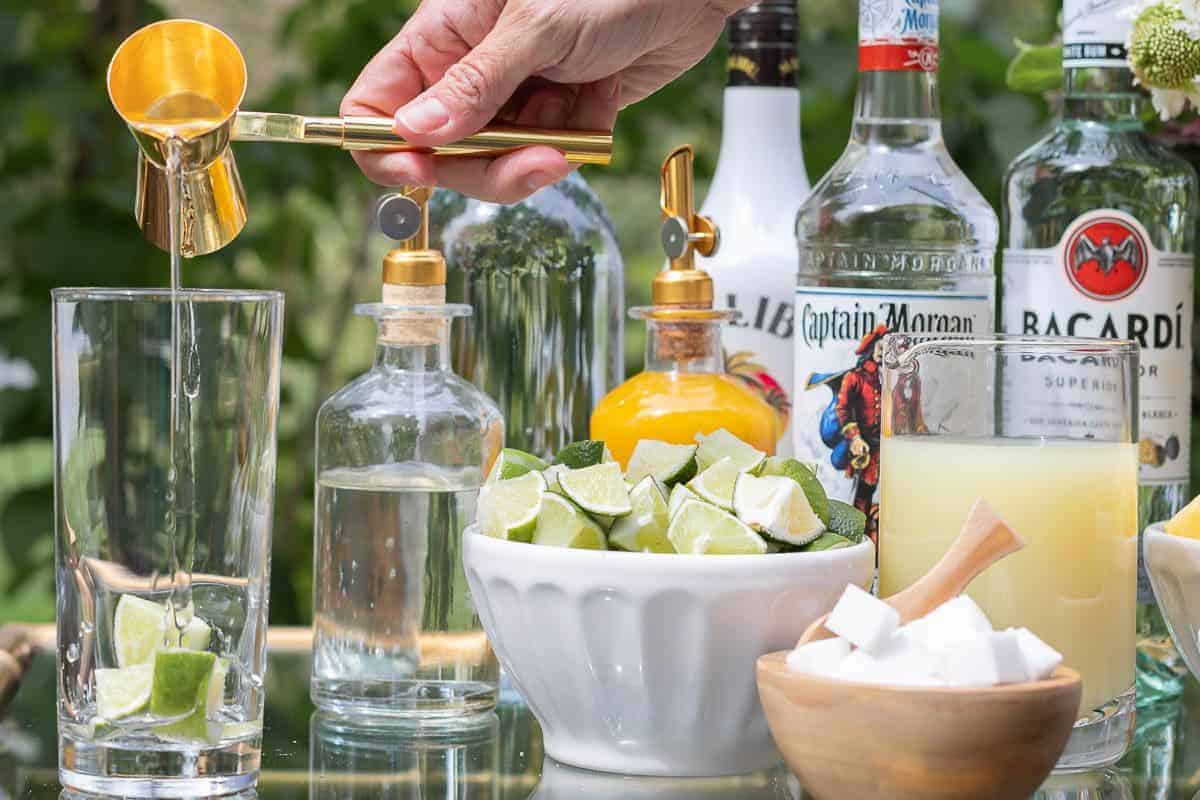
{"x":307,"y":754}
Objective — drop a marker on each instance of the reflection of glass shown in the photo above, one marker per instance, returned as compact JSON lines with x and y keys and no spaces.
{"x":1106,"y":784}
{"x":1043,"y":429}
{"x":561,"y":782}
{"x":350,"y":759}
{"x":163,"y":521}
{"x":401,"y":452}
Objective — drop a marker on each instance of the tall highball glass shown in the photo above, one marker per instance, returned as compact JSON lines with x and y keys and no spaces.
{"x":1044,"y":430}
{"x":165,"y":411}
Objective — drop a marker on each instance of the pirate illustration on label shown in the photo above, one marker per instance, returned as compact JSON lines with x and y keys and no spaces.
{"x":743,"y":365}
{"x":850,"y":424}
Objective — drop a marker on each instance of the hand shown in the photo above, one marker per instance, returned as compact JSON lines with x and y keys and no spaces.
{"x":459,"y":64}
{"x":859,"y":447}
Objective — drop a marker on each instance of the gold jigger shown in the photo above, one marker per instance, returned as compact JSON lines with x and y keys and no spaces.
{"x":185,"y":79}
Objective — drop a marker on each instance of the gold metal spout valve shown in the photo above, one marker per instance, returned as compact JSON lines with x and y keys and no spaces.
{"x":684,"y":234}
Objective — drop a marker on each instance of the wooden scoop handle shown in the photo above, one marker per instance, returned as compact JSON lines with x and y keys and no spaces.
{"x":983,"y":540}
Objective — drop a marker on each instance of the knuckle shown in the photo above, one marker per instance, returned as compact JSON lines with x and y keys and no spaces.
{"x":469,"y":82}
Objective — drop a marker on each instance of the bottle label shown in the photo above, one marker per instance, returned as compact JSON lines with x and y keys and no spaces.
{"x":763,"y":66}
{"x":838,"y":347}
{"x":1094,"y":33}
{"x":1105,"y":279}
{"x":897,"y":35}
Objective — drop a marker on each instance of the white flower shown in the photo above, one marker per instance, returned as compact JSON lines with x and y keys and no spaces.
{"x":1164,"y":52}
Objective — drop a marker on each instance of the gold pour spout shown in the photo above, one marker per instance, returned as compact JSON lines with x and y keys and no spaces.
{"x":684,"y":233}
{"x":185,"y":80}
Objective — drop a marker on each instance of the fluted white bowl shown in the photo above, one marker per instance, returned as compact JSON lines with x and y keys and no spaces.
{"x":1173,"y":564}
{"x":644,"y":663}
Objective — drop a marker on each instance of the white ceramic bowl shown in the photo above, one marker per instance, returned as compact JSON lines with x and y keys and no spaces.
{"x":1173,"y":564}
{"x":644,"y":663}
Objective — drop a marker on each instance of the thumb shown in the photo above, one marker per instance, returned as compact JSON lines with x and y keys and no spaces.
{"x":472,"y":91}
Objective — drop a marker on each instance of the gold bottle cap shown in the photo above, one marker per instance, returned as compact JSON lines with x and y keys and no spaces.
{"x":684,"y":233}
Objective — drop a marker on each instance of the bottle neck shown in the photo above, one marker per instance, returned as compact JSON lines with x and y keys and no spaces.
{"x":426,"y":349}
{"x":760,"y":126}
{"x":899,"y":107}
{"x":692,"y":347}
{"x":1103,"y":95}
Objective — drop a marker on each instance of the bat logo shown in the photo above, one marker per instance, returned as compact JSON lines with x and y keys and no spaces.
{"x":1106,"y":258}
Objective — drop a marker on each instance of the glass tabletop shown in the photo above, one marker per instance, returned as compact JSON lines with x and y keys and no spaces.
{"x":311,"y":754}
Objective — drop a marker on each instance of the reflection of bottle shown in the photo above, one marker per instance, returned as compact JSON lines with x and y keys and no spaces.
{"x":759,"y":183}
{"x":546,"y":281}
{"x":893,"y":239}
{"x":1099,"y":240}
{"x":684,"y":389}
{"x":401,"y":452}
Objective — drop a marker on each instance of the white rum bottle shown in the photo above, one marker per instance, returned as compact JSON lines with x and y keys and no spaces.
{"x":759,"y":184}
{"x":893,"y":238}
{"x":1099,"y":226}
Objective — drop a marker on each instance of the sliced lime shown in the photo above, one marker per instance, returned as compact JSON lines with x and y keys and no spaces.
{"x":578,"y":455}
{"x":644,"y":530}
{"x":599,"y":489}
{"x":509,"y":509}
{"x":670,"y":463}
{"x":827,"y":541}
{"x":513,"y":463}
{"x":551,"y":474}
{"x":699,"y":528}
{"x":123,"y":692}
{"x":846,"y":520}
{"x":181,"y":680}
{"x":776,"y":506}
{"x":722,"y":444}
{"x":715,"y":484}
{"x":806,"y":476}
{"x":141,"y":626}
{"x":679,"y":493}
{"x":563,"y":524}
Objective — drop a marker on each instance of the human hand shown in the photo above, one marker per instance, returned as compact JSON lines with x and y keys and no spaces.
{"x":859,"y":447}
{"x":458,"y":64}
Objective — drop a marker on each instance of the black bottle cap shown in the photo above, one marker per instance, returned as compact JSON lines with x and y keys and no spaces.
{"x":762,"y":44}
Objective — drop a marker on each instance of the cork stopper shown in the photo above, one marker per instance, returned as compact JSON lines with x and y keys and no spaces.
{"x":413,"y":275}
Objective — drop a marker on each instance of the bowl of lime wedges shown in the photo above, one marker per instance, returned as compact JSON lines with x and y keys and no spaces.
{"x":1171,"y":553}
{"x":629,"y":606}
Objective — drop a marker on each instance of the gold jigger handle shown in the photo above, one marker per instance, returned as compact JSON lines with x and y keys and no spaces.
{"x":376,"y":133}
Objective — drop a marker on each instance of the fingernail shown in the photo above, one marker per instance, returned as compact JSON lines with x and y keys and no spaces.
{"x":424,"y":115}
{"x":540,"y":180}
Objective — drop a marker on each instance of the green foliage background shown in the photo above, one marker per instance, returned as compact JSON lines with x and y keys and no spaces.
{"x":66,"y":194}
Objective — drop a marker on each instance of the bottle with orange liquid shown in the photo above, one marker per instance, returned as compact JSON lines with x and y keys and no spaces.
{"x":684,"y":389}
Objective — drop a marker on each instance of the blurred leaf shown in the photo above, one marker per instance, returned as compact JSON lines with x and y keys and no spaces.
{"x":1035,"y":68}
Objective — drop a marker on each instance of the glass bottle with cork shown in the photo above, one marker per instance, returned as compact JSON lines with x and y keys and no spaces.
{"x":684,"y":390}
{"x":401,"y":454}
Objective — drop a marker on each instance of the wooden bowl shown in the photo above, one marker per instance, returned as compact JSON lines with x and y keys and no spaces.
{"x":862,"y":741}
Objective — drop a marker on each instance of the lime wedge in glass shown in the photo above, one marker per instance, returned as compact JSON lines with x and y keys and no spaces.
{"x":599,"y":489}
{"x":181,"y":680}
{"x":509,"y":509}
{"x":722,"y":444}
{"x":513,"y":463}
{"x":123,"y":692}
{"x":679,"y":493}
{"x":578,"y":455}
{"x":804,"y":474}
{"x":715,"y":484}
{"x":699,"y":528}
{"x":141,"y":627}
{"x":670,"y":463}
{"x":776,"y":506}
{"x":846,"y":520}
{"x":644,"y":530}
{"x":563,"y":524}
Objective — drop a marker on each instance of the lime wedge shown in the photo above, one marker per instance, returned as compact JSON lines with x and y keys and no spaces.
{"x":599,"y":489}
{"x":700,"y":528}
{"x":827,"y":541}
{"x":551,"y":474}
{"x":578,"y":455}
{"x":806,"y":476}
{"x":513,"y":463}
{"x":670,"y":463}
{"x":644,"y":530}
{"x":846,"y":520}
{"x":563,"y":524}
{"x":715,"y":484}
{"x":509,"y":509}
{"x":722,"y":444}
{"x":123,"y":692}
{"x":181,"y":680}
{"x":776,"y":506}
{"x":141,"y":626}
{"x":679,"y":493}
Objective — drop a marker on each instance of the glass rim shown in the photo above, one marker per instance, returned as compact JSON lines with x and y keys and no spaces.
{"x":1015,"y":342}
{"x":164,"y":295}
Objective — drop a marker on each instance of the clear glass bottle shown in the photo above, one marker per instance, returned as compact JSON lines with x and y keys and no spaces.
{"x":684,"y":389}
{"x":1100,"y":226}
{"x":547,"y":283}
{"x":894,"y":238}
{"x":401,"y":453}
{"x":759,"y":183}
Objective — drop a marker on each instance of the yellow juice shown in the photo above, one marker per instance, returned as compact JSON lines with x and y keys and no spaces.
{"x":675,"y":406}
{"x":1074,"y":504}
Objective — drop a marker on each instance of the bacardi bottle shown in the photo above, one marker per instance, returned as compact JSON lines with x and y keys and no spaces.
{"x":893,"y":239}
{"x":1099,"y":227}
{"x":759,"y":184}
